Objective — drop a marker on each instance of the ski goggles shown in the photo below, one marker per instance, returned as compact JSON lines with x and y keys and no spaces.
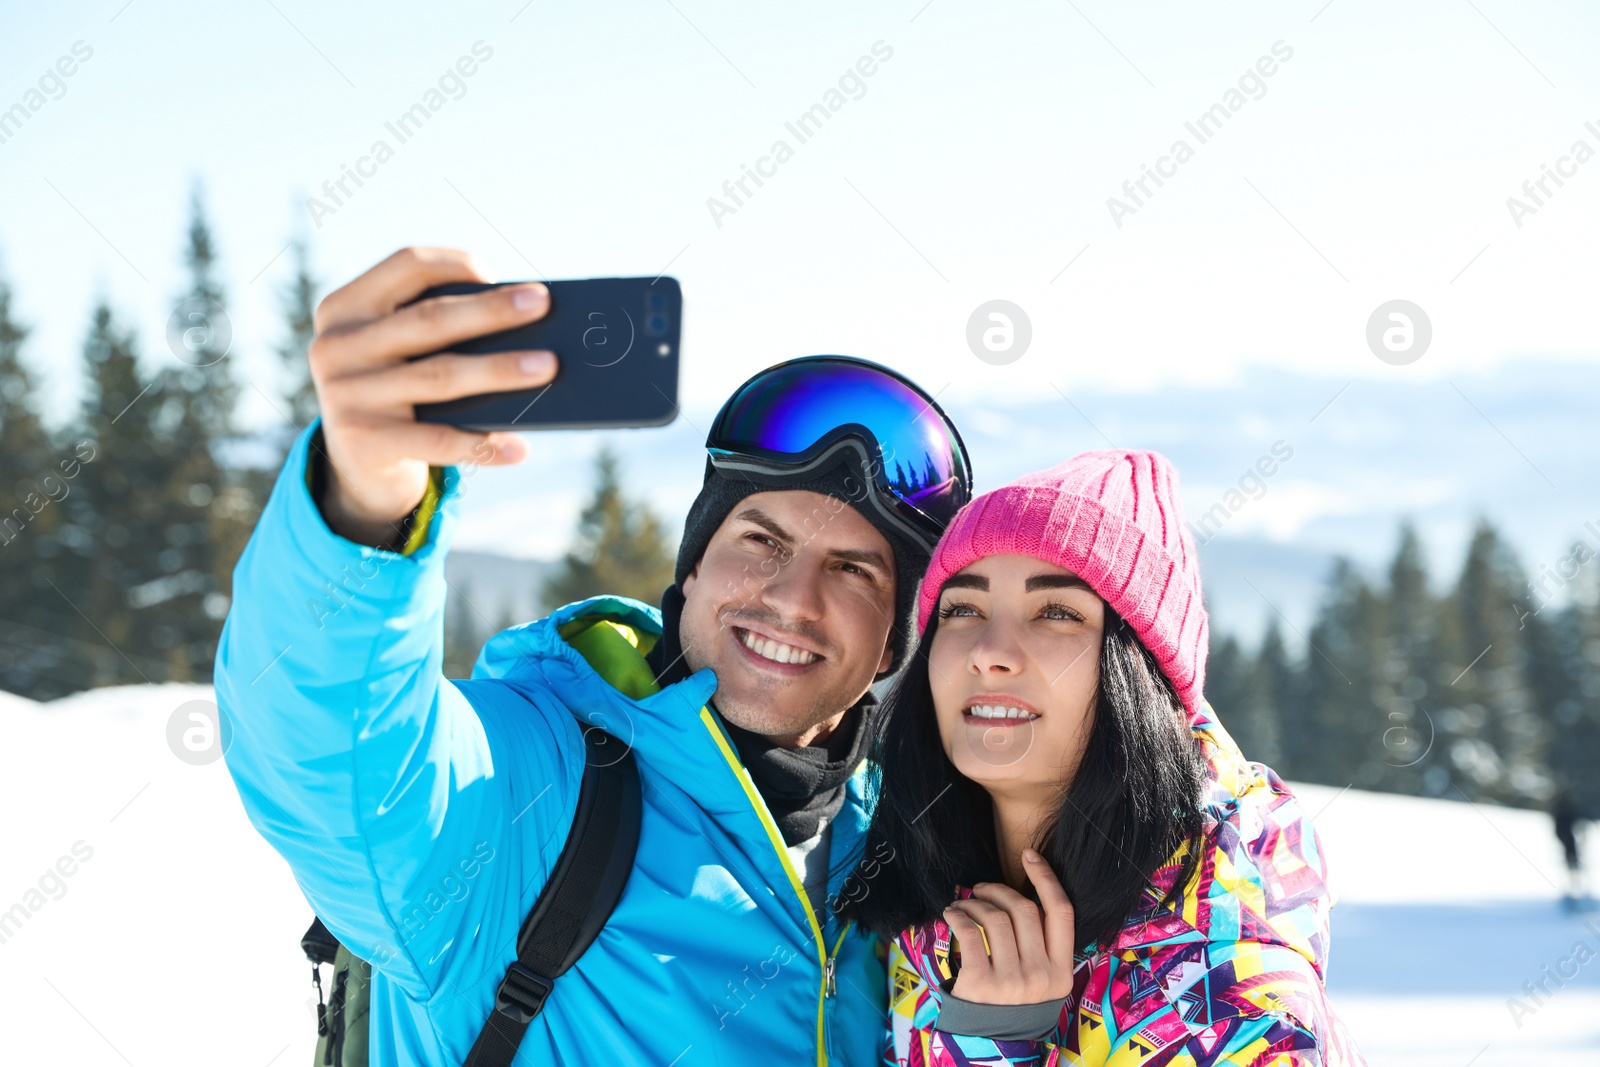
{"x":799,"y":417}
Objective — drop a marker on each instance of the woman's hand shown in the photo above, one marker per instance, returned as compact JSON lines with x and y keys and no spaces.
{"x":1030,"y":956}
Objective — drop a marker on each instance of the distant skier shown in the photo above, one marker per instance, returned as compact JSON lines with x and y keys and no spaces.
{"x":1566,"y":820}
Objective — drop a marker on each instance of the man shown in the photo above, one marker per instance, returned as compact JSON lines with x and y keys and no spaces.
{"x":422,"y":817}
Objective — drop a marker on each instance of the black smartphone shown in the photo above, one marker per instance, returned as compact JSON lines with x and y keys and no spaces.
{"x":616,"y":343}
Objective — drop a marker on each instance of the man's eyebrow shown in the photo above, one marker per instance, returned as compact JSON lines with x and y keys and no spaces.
{"x":767,"y":523}
{"x":871,"y":557}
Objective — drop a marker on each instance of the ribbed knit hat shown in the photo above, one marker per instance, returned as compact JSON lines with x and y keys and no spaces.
{"x":1115,"y":520}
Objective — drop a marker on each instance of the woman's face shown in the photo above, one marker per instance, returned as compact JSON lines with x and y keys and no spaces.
{"x":1014,"y":667}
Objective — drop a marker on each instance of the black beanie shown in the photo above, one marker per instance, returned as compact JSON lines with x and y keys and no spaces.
{"x":721,"y":492}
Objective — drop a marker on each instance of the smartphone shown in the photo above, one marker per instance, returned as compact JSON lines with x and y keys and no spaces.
{"x":616,"y":343}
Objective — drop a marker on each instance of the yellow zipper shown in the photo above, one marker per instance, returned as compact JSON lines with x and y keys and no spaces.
{"x":827,"y":962}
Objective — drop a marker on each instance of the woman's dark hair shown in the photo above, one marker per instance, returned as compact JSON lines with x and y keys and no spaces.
{"x":1134,"y":799}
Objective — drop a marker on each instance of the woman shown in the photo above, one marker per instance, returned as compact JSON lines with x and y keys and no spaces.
{"x":1050,"y":741}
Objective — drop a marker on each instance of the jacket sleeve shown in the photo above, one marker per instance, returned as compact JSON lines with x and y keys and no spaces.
{"x":915,"y":1039}
{"x":1271,"y":1007}
{"x":416,"y":814}
{"x":1272,"y":1039}
{"x":1263,"y":1005}
{"x":1258,"y":1037}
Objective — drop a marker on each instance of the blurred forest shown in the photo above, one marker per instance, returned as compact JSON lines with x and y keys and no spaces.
{"x":119,"y":530}
{"x":1488,"y":690}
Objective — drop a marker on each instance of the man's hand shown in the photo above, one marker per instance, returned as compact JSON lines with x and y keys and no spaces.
{"x":378,"y":453}
{"x":1029,"y":959}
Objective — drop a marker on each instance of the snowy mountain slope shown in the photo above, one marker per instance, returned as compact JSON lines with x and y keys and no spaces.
{"x":175,"y":942}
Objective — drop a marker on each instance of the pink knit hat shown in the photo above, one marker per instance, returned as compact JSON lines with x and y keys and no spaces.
{"x":1114,"y":519}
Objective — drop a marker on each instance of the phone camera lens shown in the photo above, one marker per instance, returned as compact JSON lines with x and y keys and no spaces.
{"x":655,"y":324}
{"x":655,"y":300}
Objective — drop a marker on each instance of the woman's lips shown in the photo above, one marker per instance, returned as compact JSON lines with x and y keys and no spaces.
{"x":996,"y":724}
{"x":986,"y":712}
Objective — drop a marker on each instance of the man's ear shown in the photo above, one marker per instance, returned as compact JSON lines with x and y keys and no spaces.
{"x":688,"y":581}
{"x":888,"y":655}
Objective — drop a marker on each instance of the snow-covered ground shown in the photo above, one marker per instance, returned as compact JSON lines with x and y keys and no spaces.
{"x":1445,"y":910}
{"x":174,"y":939}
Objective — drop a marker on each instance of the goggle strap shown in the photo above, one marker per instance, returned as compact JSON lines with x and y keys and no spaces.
{"x":735,"y":461}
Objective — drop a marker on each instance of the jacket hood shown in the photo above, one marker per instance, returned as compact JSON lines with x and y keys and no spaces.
{"x":673,"y":729}
{"x":1261,"y":875}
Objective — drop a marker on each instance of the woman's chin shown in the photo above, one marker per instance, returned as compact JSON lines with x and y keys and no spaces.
{"x":988,"y":769}
{"x":986,"y":751}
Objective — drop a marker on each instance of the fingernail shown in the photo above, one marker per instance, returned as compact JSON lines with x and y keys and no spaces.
{"x":528,"y":297}
{"x":536,"y":362}
{"x":1031,"y":856}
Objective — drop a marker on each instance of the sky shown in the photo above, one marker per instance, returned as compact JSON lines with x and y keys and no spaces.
{"x":1357,"y":153}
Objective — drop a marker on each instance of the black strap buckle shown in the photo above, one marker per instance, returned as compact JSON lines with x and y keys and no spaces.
{"x":522,"y":994}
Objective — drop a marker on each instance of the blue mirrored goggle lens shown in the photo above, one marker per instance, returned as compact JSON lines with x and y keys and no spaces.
{"x":790,"y":409}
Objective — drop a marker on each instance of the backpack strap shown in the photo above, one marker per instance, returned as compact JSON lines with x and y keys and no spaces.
{"x":576,"y":902}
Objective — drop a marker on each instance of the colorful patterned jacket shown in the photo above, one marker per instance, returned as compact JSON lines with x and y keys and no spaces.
{"x":1233,"y":974}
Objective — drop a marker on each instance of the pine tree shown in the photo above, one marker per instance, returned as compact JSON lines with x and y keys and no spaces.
{"x":300,"y":311}
{"x":1494,"y":731}
{"x":1564,"y":661}
{"x":619,"y":548}
{"x":117,"y":529}
{"x":1273,"y":698}
{"x":1407,"y":683}
{"x":1228,"y":669}
{"x":32,"y":656}
{"x":1557,"y":671}
{"x":1337,"y":740}
{"x":1244,"y":703}
{"x":210,"y":510}
{"x":23,"y":439}
{"x":201,"y":338}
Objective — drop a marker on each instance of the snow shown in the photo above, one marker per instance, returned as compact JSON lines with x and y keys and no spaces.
{"x":177,"y":941}
{"x":1445,"y":910}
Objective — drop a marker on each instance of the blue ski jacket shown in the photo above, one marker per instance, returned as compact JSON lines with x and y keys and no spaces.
{"x":421,"y":817}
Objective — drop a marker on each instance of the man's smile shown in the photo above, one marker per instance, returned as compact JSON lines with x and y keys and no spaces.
{"x":769,"y":652}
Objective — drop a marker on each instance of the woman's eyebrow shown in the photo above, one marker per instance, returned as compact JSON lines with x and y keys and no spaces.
{"x":1037,"y":582}
{"x":1054,"y":581}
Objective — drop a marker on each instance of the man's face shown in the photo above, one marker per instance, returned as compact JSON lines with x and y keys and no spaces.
{"x":792,"y":606}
